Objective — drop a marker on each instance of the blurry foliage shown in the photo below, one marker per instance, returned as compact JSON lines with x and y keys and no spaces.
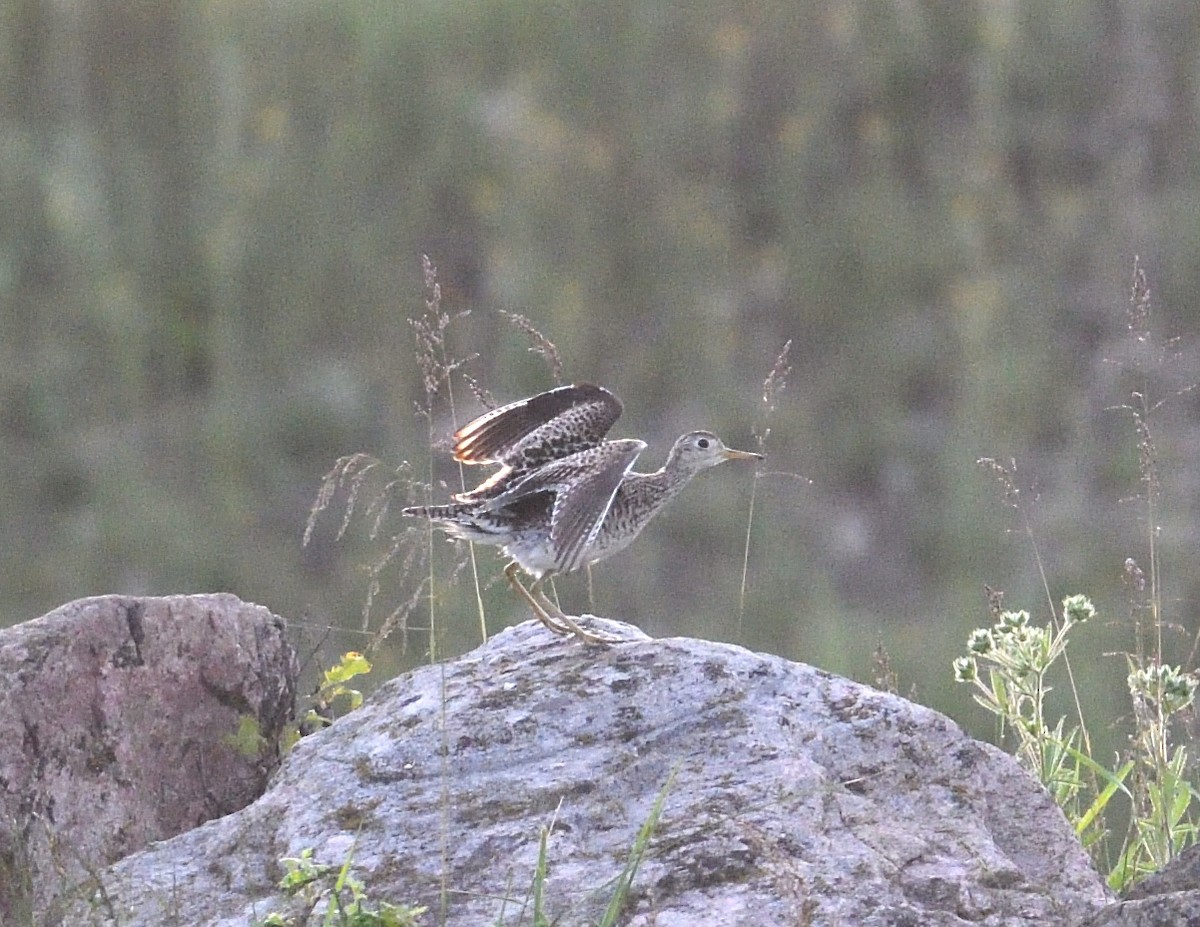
{"x":217,"y":211}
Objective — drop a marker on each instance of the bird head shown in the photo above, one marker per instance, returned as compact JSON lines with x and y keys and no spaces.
{"x":699,"y":450}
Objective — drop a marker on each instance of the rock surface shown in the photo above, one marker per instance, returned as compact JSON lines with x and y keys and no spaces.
{"x":1169,"y":898}
{"x":795,"y":797}
{"x":117,"y":718}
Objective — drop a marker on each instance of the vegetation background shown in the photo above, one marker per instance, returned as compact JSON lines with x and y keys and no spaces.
{"x":214,"y":220}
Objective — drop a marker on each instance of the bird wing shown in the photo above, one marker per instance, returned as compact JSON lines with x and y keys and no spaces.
{"x":525,"y":435}
{"x":584,"y":486}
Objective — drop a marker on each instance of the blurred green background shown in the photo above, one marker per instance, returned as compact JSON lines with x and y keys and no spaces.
{"x":214,"y":219}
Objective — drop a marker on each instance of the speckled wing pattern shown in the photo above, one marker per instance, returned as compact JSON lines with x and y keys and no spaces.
{"x":584,"y":486}
{"x":526,"y":435}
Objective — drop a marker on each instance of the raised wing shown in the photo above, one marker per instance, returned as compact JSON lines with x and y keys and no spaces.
{"x":526,"y":435}
{"x":584,"y":485}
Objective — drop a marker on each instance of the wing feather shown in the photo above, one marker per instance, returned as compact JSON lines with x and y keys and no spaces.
{"x":578,"y":415}
{"x":584,"y":485}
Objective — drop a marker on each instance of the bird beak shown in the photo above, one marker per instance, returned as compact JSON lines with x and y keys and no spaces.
{"x":731,"y":454}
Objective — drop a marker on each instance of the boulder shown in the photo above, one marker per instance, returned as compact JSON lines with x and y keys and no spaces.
{"x":119,"y":724}
{"x":787,"y":796}
{"x":1169,"y":898}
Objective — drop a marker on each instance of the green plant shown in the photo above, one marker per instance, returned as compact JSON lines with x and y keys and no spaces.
{"x":1164,"y":799}
{"x":340,"y":898}
{"x":1018,"y":657}
{"x":333,"y":690}
{"x":310,"y":885}
{"x":1009,"y":664}
{"x":624,"y":881}
{"x":620,"y":885}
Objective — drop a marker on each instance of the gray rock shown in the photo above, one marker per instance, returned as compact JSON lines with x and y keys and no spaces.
{"x":1178,"y":909}
{"x":796,"y":797}
{"x":117,"y":717}
{"x":1169,"y":898}
{"x":1179,"y":875}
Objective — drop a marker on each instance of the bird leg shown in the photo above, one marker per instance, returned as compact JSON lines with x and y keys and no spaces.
{"x":540,"y":613}
{"x":558,"y":614}
{"x":547,"y":612}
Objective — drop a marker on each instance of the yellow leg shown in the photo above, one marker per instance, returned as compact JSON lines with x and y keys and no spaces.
{"x":548,"y":613}
{"x":510,"y":573}
{"x":557,"y":613}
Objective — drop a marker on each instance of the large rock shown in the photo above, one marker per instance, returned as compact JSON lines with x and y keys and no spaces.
{"x":118,"y":724}
{"x":796,"y":797}
{"x":1170,"y":898}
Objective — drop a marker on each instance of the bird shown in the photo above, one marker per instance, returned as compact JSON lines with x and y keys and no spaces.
{"x":564,"y":497}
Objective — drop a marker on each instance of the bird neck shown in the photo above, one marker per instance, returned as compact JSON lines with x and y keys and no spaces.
{"x":660,"y":485}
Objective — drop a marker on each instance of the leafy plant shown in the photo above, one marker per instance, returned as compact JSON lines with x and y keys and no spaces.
{"x":333,"y":691}
{"x":344,"y":897}
{"x":341,"y":899}
{"x":1163,"y":797}
{"x":1018,"y":657}
{"x":1009,"y":665}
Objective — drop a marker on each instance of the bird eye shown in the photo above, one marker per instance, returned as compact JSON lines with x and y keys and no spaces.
{"x":702,"y":443}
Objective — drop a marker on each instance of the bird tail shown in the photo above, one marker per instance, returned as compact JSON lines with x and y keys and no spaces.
{"x":461,"y":520}
{"x":436,"y":512}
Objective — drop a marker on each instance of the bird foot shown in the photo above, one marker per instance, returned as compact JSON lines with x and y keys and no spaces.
{"x":550,"y":614}
{"x":566,"y":621}
{"x":559,"y":622}
{"x":588,"y":637}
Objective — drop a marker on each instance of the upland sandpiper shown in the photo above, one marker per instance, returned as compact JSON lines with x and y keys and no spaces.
{"x":563,"y":497}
